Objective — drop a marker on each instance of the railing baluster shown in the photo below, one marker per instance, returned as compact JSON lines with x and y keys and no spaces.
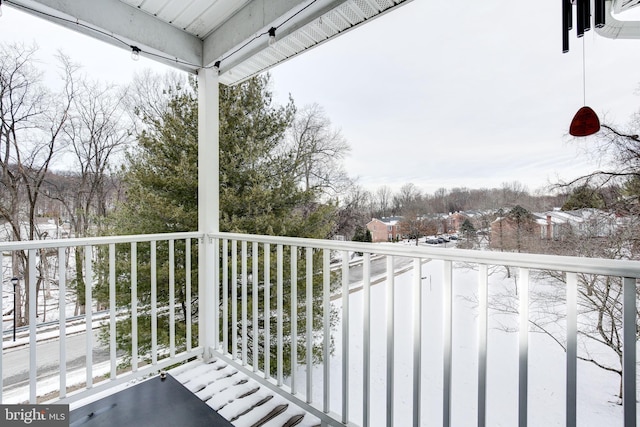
{"x":134,"y":306}
{"x":447,"y":343}
{"x":112,"y":310}
{"x":390,"y":339}
{"x":279,"y":315}
{"x":483,"y":328}
{"x":33,"y":374}
{"x":2,"y":299}
{"x":154,"y":305}
{"x":254,"y":302}
{"x":326,"y":311}
{"x":234,"y":299}
{"x":309,"y":321}
{"x":225,"y":296}
{"x":243,"y":248}
{"x":345,"y":337}
{"x":629,"y":351}
{"x":294,"y":317}
{"x":523,"y":366}
{"x":366,"y":338}
{"x":187,"y":285}
{"x":88,"y":284}
{"x":417,"y":340}
{"x":572,"y":348}
{"x":267,"y":311}
{"x":202,"y":286}
{"x":62,"y":315}
{"x":172,"y":299}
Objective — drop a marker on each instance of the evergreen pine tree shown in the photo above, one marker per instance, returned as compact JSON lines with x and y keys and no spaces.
{"x":258,"y":195}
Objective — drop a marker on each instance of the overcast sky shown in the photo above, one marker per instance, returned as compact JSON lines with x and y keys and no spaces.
{"x":439,"y":94}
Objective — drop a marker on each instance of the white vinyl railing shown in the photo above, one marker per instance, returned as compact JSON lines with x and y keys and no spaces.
{"x":128,"y":284}
{"x":290,"y":280}
{"x":260,"y":293}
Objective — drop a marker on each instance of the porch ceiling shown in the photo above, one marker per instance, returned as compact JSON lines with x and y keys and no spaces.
{"x":198,"y":33}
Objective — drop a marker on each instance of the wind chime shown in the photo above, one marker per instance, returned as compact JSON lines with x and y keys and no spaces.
{"x":585,"y":122}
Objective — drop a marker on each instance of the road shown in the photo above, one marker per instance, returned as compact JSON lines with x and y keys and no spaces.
{"x":15,"y":362}
{"x":378,"y":267}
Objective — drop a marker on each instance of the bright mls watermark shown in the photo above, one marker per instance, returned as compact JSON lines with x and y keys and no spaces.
{"x":34,"y":415}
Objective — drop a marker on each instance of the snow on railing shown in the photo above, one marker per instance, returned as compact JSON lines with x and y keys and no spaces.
{"x":123,"y":282}
{"x":269,"y":288}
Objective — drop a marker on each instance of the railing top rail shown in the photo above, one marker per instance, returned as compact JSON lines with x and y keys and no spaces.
{"x":609,"y":267}
{"x":105,"y":240}
{"x":624,"y":268}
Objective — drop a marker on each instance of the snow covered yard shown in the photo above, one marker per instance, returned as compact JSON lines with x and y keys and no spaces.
{"x":597,"y":388}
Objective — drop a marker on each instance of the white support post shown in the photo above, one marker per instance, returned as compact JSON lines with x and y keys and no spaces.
{"x":208,"y":200}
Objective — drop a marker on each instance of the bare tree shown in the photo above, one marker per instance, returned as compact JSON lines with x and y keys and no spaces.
{"x":318,"y":151}
{"x":31,"y":134}
{"x":414,"y":226}
{"x":353,"y":212}
{"x":97,"y":132}
{"x":407,"y":199}
{"x":148,"y":96}
{"x":384,"y":198}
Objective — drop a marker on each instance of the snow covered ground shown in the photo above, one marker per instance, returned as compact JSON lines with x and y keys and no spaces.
{"x":596,"y":388}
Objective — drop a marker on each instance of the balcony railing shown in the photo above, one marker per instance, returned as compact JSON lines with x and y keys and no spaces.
{"x":260,"y":292}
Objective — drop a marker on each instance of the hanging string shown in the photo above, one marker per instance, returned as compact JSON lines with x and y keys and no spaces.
{"x":584,"y":74}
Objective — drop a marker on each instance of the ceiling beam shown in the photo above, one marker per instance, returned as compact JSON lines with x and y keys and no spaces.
{"x":256,"y":17}
{"x":119,"y":24}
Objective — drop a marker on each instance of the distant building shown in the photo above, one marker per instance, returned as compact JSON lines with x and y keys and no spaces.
{"x":588,"y":222}
{"x":479,"y":219}
{"x":385,"y":229}
{"x":455,"y":221}
{"x":552,"y":225}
